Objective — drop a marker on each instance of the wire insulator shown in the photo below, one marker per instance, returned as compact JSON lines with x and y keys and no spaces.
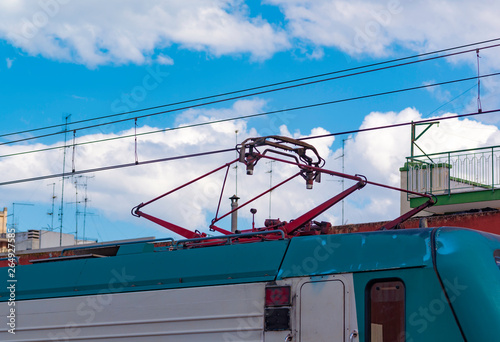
{"x":135,"y":134}
{"x":73,"y":168}
{"x":479,"y":107}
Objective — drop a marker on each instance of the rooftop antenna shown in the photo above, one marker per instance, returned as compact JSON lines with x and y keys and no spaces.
{"x":343,"y":179}
{"x":77,"y":202}
{"x":236,"y":167}
{"x":61,"y":209}
{"x":51,"y":213}
{"x":86,"y":200}
{"x":76,"y":210}
{"x":343,"y":171}
{"x":270,"y":184}
{"x":234,"y":199}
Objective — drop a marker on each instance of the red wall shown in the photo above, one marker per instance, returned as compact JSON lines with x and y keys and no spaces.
{"x":488,"y":221}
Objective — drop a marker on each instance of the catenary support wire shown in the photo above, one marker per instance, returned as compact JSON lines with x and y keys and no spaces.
{"x":479,"y":107}
{"x":258,"y":93}
{"x":264,"y":86}
{"x":153,"y":161}
{"x":269,"y":112}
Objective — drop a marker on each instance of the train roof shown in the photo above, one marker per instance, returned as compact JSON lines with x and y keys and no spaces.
{"x":142,"y":266}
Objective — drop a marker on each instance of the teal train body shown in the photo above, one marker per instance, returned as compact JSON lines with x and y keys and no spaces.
{"x":415,"y":285}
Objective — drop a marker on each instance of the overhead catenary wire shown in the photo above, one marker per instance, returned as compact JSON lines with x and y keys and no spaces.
{"x":255,"y":93}
{"x":450,"y":101}
{"x":361,"y":130}
{"x":479,"y":107}
{"x":200,"y":154}
{"x":308,"y":106}
{"x":257,"y":87}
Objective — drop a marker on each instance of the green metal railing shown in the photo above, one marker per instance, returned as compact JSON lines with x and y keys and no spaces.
{"x":456,"y":171}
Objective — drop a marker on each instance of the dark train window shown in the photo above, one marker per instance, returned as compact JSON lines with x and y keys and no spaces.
{"x":496,"y":254}
{"x":385,"y":311}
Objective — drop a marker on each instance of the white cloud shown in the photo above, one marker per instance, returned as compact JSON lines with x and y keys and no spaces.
{"x":378,"y":155}
{"x":383,"y":152}
{"x":369,"y":27}
{"x":126,"y":31}
{"x":239,"y":108}
{"x":9,"y":62}
{"x":116,"y":192}
{"x":438,"y":92}
{"x":363,"y":28}
{"x":165,"y":60}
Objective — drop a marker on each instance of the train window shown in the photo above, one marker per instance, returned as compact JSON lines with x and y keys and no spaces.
{"x":496,"y":254}
{"x":385,"y":311}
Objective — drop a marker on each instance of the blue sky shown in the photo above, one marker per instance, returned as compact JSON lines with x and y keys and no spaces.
{"x":60,"y":57}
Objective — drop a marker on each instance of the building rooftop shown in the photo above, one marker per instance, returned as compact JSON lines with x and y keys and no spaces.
{"x":461,"y":180}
